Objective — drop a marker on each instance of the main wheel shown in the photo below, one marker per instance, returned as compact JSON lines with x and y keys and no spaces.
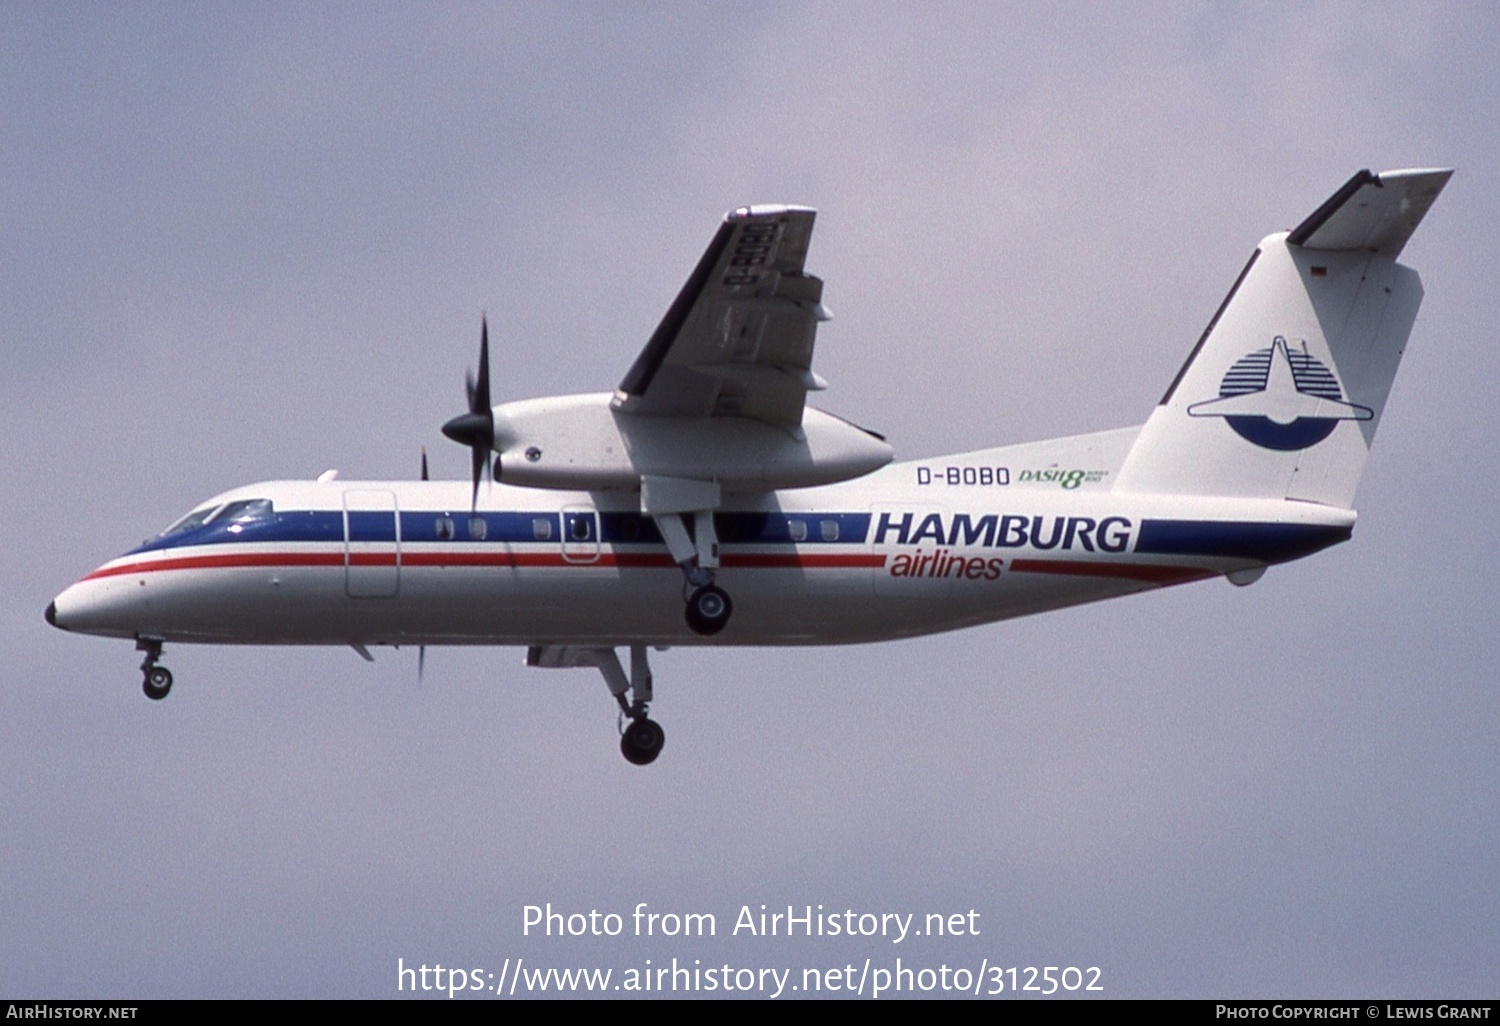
{"x":157,"y":682}
{"x":641,"y":743}
{"x":708,"y":610}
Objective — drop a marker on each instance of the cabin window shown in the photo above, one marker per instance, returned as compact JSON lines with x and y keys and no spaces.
{"x":797,"y":529}
{"x":541,"y":528}
{"x":478,"y":528}
{"x":830,"y":529}
{"x":443,"y":528}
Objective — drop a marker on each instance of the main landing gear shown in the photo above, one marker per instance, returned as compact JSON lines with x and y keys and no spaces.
{"x":641,"y":742}
{"x":156,"y":681}
{"x":642,"y":739}
{"x":708,"y":606}
{"x":708,"y":610}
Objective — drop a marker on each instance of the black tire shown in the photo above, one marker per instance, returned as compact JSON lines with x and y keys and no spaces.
{"x":642,"y":742}
{"x":157,"y":683}
{"x":708,"y":610}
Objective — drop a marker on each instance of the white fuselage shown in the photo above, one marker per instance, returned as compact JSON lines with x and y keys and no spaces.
{"x":914,"y":548}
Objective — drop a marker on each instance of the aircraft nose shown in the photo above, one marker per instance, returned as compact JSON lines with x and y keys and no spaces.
{"x":94,"y":607}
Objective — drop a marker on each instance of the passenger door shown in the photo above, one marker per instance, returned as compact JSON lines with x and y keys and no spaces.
{"x":372,"y":543}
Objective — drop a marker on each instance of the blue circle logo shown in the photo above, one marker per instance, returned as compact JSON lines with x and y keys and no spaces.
{"x":1281,"y":398}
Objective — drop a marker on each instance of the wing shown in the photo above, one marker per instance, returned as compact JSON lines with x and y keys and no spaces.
{"x":738,"y":339}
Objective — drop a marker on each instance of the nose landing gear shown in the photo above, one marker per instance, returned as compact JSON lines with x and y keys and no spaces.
{"x":156,"y":681}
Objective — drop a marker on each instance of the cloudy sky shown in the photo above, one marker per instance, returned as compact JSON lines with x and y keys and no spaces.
{"x":241,"y":243}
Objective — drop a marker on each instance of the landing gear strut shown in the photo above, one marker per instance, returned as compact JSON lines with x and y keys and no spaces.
{"x":642,"y":739}
{"x":156,"y":681}
{"x":708,"y":606}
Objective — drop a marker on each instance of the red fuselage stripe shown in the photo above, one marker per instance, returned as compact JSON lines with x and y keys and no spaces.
{"x":1146,"y":572}
{"x":243,"y":560}
{"x":1149,"y":572}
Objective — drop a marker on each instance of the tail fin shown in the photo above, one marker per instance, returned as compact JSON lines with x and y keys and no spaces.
{"x":1283,"y":393}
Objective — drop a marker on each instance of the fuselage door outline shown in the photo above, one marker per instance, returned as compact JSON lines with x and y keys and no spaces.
{"x":372,"y":543}
{"x":580,"y":533}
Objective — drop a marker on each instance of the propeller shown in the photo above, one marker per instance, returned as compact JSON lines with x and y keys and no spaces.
{"x":422,"y":649}
{"x":476,"y":429}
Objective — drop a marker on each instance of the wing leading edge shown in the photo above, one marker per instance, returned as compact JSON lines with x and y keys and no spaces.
{"x":738,"y":339}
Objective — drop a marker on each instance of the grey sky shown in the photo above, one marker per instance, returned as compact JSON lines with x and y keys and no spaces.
{"x":251,"y":243}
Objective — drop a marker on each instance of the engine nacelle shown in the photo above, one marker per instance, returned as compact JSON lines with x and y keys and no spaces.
{"x":581,"y":442}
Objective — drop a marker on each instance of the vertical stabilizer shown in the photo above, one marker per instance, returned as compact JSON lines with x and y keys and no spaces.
{"x":1283,"y":393}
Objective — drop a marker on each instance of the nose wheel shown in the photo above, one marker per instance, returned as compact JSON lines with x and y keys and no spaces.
{"x":156,"y":681}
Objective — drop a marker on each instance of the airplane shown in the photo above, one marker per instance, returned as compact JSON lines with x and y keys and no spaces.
{"x":705,"y":503}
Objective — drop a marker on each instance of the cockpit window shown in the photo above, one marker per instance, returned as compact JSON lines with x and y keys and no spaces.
{"x":197,"y":518}
{"x":241,"y":511}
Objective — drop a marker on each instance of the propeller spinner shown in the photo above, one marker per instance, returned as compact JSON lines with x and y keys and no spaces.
{"x":476,"y":429}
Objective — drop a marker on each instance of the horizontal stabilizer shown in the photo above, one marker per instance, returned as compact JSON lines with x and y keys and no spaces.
{"x":1375,"y":213}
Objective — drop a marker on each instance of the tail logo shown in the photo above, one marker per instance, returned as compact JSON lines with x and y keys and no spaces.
{"x":1281,"y":398}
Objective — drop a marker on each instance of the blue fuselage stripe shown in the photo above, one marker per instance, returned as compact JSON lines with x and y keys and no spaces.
{"x":514,"y":527}
{"x":1262,"y":542}
{"x":1235,"y":539}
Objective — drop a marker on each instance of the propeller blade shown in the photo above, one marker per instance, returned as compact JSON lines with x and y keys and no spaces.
{"x":476,"y":429}
{"x":424,"y":463}
{"x":477,"y":456}
{"x":480,"y":403}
